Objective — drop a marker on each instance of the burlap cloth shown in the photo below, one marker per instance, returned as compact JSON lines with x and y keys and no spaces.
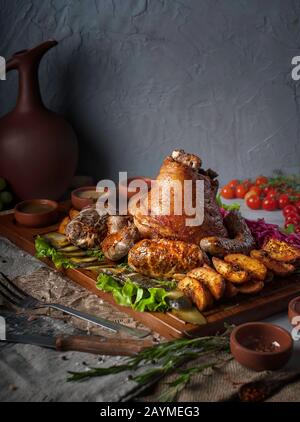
{"x":29,"y":373}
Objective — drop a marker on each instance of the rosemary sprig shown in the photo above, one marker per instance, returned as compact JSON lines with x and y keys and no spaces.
{"x":165,"y":358}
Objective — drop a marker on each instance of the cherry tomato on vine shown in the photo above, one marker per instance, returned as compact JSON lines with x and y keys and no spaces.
{"x":256,"y":190}
{"x":283,"y":200}
{"x":241,"y":191}
{"x":261,"y":180}
{"x":269,"y":204}
{"x":254,"y":202}
{"x":292,"y":216}
{"x":297,"y":205}
{"x":227,"y":192}
{"x":272,"y":193}
{"x":266,"y":190}
{"x":288,"y":209}
{"x":233,"y":183}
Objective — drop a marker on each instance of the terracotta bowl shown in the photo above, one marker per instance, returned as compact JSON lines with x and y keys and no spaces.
{"x":79,"y":202}
{"x":294,"y":309}
{"x":261,"y":346}
{"x":36,"y":212}
{"x":123,"y":187}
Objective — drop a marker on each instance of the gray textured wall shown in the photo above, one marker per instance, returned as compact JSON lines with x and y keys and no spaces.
{"x":137,"y":78}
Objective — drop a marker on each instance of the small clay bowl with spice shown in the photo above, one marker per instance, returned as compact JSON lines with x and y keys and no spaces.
{"x":294,"y":310}
{"x":36,"y":212}
{"x":261,"y":346}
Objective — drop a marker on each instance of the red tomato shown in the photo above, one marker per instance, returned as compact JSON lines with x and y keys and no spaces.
{"x":256,"y":190}
{"x":288,"y":225}
{"x":241,"y":191}
{"x":283,"y":200}
{"x":233,"y":183}
{"x":290,"y":221}
{"x":297,"y":205}
{"x":272,"y":193}
{"x":292,"y":216}
{"x":254,"y":202}
{"x":269,"y":204}
{"x":227,"y":192}
{"x":248,"y":183}
{"x":248,"y":194}
{"x":261,"y":180}
{"x":288,"y":209}
{"x":265,"y":190}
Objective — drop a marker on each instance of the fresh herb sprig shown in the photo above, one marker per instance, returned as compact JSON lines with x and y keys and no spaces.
{"x":165,"y":358}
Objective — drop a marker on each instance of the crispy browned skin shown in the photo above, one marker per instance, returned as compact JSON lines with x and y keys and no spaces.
{"x":163,"y":258}
{"x":116,"y":222}
{"x":280,"y":269}
{"x":87,"y":229}
{"x":282,"y":251}
{"x":240,"y":241}
{"x":197,"y":292}
{"x":153,"y":222}
{"x":117,"y":245}
{"x":251,"y":287}
{"x":255,"y":268}
{"x":230,"y":272}
{"x":211,"y":279}
{"x":73,"y":213}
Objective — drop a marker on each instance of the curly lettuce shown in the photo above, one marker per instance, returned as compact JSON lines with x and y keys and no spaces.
{"x":130,"y":294}
{"x":45,"y":250}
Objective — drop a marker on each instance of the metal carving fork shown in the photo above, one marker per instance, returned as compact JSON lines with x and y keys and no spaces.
{"x":18,"y":297}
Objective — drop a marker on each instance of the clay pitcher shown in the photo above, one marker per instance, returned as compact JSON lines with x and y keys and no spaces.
{"x":38,"y":148}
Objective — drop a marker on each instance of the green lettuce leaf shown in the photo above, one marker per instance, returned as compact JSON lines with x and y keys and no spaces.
{"x":227,"y":207}
{"x":134,"y":296}
{"x":45,"y":250}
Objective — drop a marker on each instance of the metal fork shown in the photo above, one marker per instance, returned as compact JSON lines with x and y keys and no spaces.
{"x":18,"y":297}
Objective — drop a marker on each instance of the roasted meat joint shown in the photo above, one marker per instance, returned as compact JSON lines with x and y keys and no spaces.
{"x":210,"y":262}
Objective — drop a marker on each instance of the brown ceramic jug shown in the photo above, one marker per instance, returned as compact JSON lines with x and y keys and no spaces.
{"x":38,"y":148}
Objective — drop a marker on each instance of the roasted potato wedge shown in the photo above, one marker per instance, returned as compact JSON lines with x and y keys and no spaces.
{"x":230,"y":272}
{"x":281,"y":251}
{"x":63,"y":224}
{"x":197,"y":292}
{"x":73,"y":213}
{"x":280,"y":269}
{"x":251,"y":287}
{"x":255,"y":268}
{"x":230,"y":290}
{"x":211,"y":279}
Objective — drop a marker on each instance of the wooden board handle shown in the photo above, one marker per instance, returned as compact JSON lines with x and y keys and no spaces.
{"x":101,"y":345}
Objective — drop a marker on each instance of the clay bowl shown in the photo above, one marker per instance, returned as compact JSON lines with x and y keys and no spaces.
{"x":123,"y":186}
{"x":36,"y":212}
{"x":80,"y":197}
{"x":294,"y":309}
{"x":261,"y":346}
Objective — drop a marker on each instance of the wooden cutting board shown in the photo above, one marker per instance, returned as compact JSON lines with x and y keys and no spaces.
{"x":273,"y":299}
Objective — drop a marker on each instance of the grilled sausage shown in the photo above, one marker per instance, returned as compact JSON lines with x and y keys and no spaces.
{"x":163,"y":258}
{"x":240,"y":241}
{"x":117,"y":245}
